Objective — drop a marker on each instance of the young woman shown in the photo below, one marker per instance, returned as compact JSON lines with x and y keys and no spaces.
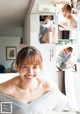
{"x":48,"y":30}
{"x":68,"y":19}
{"x":29,"y":92}
{"x":63,"y":58}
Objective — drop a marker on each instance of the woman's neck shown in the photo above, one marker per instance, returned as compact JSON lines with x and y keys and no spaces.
{"x":69,"y":17}
{"x":28,"y":85}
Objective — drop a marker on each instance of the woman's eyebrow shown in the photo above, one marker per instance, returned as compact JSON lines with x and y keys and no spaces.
{"x":24,"y":64}
{"x":35,"y":64}
{"x":30,"y":65}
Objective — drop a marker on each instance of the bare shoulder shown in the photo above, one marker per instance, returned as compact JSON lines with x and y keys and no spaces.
{"x":47,"y":84}
{"x":7,"y":86}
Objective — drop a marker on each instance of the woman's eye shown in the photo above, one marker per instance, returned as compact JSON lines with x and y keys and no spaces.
{"x":35,"y":67}
{"x":24,"y":66}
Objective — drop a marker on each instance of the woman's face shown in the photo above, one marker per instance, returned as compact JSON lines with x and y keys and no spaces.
{"x":67,"y":52}
{"x":29,"y":72}
{"x":47,"y":19}
{"x":66,"y":13}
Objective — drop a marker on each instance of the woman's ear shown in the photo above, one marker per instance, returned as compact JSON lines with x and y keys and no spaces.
{"x":16,"y":66}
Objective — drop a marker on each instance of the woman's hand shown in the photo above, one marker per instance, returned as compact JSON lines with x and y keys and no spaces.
{"x":49,"y":30}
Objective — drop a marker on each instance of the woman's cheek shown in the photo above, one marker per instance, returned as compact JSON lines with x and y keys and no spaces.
{"x":22,"y":71}
{"x":37,"y":72}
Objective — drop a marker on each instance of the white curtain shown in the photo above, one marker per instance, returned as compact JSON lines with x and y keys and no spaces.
{"x":70,"y":88}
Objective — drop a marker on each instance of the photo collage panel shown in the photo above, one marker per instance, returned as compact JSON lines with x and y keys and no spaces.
{"x":62,"y":29}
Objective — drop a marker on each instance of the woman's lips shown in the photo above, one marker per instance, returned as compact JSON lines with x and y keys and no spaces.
{"x":29,"y":76}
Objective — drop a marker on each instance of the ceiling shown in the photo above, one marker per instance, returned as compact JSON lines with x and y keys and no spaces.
{"x":12,"y":15}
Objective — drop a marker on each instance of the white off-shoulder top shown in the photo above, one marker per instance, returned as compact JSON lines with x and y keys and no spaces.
{"x":52,"y":100}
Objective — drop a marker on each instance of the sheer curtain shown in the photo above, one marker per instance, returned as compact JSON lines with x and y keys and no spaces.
{"x":70,"y":87}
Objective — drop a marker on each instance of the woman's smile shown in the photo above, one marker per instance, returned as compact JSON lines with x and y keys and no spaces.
{"x":29,"y":76}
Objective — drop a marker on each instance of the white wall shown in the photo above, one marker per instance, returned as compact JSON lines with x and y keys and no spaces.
{"x":11,"y":31}
{"x":49,"y":69}
{"x":7,"y":41}
{"x":32,"y":34}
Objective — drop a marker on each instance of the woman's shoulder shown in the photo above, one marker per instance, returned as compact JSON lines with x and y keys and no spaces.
{"x":4,"y":87}
{"x":7,"y":86}
{"x":47,"y":84}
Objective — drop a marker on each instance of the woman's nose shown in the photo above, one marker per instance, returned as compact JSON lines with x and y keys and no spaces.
{"x":30,"y":70}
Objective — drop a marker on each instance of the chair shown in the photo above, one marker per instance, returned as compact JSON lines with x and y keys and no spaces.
{"x":2,"y":69}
